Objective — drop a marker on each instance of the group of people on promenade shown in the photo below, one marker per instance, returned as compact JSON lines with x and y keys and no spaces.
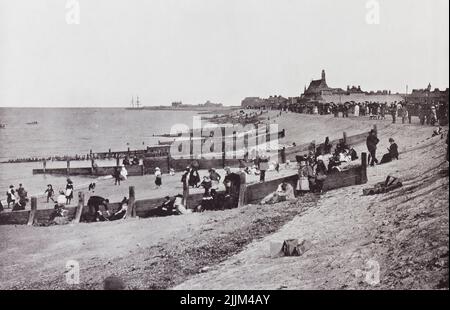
{"x":435,"y":113}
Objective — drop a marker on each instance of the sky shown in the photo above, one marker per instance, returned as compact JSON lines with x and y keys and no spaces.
{"x":218,"y":50}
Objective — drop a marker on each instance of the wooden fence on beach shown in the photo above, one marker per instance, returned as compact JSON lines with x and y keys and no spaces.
{"x":248,"y":193}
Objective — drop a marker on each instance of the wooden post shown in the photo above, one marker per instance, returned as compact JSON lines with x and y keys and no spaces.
{"x":242,"y":190}
{"x":234,"y":144}
{"x":142,"y":169}
{"x":363,"y":168}
{"x":168,"y":163}
{"x":32,"y":213}
{"x":223,"y":148}
{"x":191,"y":145}
{"x":44,"y":163}
{"x":117,"y":160}
{"x":345,"y":137}
{"x":68,"y":167}
{"x":283,"y":155}
{"x":80,"y":207}
{"x":131,"y":212}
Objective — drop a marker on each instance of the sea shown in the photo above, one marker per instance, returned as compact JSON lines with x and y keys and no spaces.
{"x":74,"y":131}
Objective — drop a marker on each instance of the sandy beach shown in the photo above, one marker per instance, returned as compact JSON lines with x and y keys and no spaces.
{"x":404,"y":231}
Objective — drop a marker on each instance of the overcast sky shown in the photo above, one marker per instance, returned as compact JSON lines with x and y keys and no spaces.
{"x":217,"y":50}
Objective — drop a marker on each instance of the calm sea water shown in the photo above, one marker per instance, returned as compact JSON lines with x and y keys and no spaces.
{"x":73,"y":131}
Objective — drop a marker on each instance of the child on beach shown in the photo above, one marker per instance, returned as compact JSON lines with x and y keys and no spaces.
{"x":11,"y":196}
{"x":158,"y":177}
{"x":50,"y":192}
{"x":69,"y":191}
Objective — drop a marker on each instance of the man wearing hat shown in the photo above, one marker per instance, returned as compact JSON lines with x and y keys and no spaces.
{"x":371,"y":143}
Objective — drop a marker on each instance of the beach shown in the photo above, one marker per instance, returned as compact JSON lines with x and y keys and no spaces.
{"x":231,"y":249}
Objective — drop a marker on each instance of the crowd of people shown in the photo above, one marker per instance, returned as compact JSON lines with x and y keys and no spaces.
{"x":435,"y":113}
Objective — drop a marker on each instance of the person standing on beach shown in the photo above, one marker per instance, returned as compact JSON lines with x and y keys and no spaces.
{"x":50,"y":192}
{"x":69,"y":191}
{"x":11,"y":196}
{"x":185,"y":181}
{"x":116,"y":175}
{"x":263,"y":166}
{"x":393,"y":112}
{"x":215,"y":178}
{"x":371,"y":143}
{"x":158,"y":177}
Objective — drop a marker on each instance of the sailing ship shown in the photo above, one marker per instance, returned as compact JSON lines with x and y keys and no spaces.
{"x":135,"y":105}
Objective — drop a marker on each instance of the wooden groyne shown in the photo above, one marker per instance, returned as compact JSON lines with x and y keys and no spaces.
{"x":151,"y":151}
{"x":248,"y":193}
{"x":165,"y":163}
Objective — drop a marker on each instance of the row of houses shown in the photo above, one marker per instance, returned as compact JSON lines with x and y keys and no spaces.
{"x":318,"y":92}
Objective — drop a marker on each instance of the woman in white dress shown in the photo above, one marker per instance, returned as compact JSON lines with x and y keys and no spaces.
{"x":356,"y":110}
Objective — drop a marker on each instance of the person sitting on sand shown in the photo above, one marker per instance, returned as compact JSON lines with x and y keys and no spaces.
{"x":437,"y":132}
{"x":284,"y":192}
{"x":179,"y":206}
{"x":98,"y":208}
{"x":122,"y":212}
{"x":207,"y":203}
{"x":59,"y":209}
{"x":392,"y":152}
{"x":215,"y":178}
{"x":206,"y":184}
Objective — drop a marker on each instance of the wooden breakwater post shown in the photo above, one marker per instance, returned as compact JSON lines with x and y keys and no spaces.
{"x":44,"y":165}
{"x":131,"y":211}
{"x":242,"y":190}
{"x":282,"y":155}
{"x":363,"y":167}
{"x":223,"y":148}
{"x":32,"y":213}
{"x":68,"y":167}
{"x":80,"y":207}
{"x":344,"y":137}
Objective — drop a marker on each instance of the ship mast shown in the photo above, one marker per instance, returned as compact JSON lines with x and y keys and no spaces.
{"x":137,"y":101}
{"x":132,"y":101}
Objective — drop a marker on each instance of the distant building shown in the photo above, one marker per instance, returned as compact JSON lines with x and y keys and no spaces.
{"x":176,"y":104}
{"x":318,"y":91}
{"x":212,"y":105}
{"x":252,"y":102}
{"x":428,"y":96}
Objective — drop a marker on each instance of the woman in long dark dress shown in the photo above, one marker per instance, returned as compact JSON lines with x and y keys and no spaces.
{"x":392,"y":152}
